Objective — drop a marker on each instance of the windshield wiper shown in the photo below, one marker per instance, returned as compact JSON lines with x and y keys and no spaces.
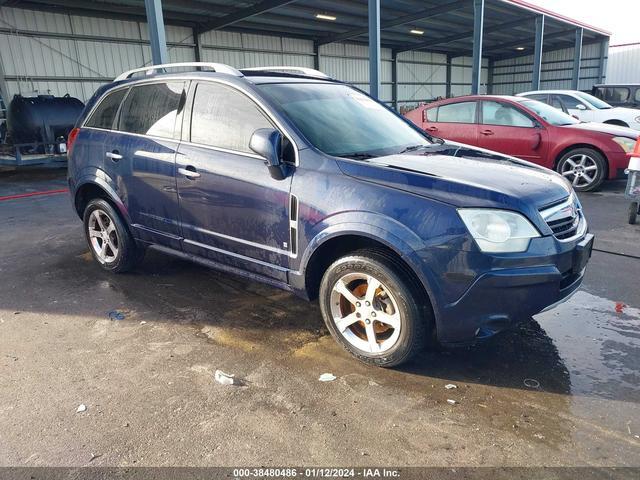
{"x":413,"y":148}
{"x":358,"y":156}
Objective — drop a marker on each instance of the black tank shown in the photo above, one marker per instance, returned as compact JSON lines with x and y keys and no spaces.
{"x":41,"y":119}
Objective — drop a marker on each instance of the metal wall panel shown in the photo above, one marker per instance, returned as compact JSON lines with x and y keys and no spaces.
{"x":514,"y":75}
{"x":624,"y":64}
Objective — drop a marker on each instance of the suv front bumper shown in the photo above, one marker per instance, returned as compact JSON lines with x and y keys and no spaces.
{"x":500,"y":298}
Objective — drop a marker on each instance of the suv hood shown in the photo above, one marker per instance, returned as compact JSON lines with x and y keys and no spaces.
{"x":464,"y":176}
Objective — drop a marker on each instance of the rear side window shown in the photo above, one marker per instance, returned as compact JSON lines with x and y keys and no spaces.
{"x":463,"y":112}
{"x":498,"y":113}
{"x":105,"y":113}
{"x":541,"y":97}
{"x":617,"y":94}
{"x":152,"y":109}
{"x":225,"y":118}
{"x":429,"y":114}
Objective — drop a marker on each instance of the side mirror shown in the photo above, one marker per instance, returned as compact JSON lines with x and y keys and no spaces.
{"x":267,"y":142}
{"x":581,"y":107}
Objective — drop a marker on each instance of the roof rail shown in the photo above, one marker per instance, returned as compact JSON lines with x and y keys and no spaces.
{"x":154,"y":69}
{"x":307,"y":72}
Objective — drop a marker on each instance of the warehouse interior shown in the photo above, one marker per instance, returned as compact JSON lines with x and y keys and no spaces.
{"x":417,"y":51}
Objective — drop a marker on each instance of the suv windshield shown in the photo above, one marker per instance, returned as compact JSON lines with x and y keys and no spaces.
{"x":596,"y":102}
{"x":550,"y":114}
{"x":341,"y":121}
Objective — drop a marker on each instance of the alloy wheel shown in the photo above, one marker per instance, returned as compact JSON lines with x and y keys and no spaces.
{"x":365,"y":313}
{"x":581,"y":170}
{"x":103,"y":236}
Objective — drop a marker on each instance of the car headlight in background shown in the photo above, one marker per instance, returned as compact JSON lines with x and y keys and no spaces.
{"x":498,"y":231}
{"x":627,"y":144}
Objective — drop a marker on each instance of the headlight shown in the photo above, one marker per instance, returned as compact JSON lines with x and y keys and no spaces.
{"x":498,"y":231}
{"x":637,"y":119}
{"x":627,"y":144}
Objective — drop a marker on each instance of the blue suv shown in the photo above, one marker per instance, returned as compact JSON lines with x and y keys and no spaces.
{"x":291,"y":178}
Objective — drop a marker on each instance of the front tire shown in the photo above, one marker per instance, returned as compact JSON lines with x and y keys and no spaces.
{"x":585,"y":168}
{"x":110,"y":242}
{"x":371,"y":307}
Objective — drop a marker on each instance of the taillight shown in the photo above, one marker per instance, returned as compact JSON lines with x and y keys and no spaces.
{"x":73,"y":134}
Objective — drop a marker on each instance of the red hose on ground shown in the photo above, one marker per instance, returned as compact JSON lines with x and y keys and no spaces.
{"x":33,"y":194}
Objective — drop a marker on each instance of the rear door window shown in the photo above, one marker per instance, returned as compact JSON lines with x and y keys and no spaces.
{"x":152,"y":109}
{"x":498,"y":113}
{"x":463,"y":112}
{"x":104,"y":115}
{"x":224,"y":118}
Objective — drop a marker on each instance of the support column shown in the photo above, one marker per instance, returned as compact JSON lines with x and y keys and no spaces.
{"x":155,"y":23}
{"x":490,"y":77}
{"x":374,"y":48}
{"x":604,"y":54}
{"x":577,"y":58}
{"x":394,"y":79}
{"x":478,"y":27}
{"x":448,"y":77}
{"x":316,"y":56}
{"x":537,"y":54}
{"x":197,"y":45}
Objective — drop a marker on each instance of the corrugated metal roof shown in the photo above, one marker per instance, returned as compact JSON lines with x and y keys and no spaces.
{"x":447,"y":25}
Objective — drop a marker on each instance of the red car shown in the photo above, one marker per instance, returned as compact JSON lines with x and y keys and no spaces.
{"x":584,"y":153}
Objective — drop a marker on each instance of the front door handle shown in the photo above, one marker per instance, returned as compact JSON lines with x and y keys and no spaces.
{"x":432,"y":129}
{"x":487,"y":132}
{"x":189,"y":172}
{"x":115,"y":156}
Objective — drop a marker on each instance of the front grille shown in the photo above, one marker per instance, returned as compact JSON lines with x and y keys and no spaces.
{"x":565,"y":218}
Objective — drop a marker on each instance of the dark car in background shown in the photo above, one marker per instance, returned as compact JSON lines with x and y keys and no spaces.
{"x":586,"y":154}
{"x":618,"y":94}
{"x":291,"y":178}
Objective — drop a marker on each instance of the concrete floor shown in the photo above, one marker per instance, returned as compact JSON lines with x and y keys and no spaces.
{"x":147,"y":380}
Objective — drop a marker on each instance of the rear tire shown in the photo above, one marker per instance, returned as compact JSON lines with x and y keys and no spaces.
{"x":372,"y":308}
{"x":110,"y":243}
{"x":585,"y":168}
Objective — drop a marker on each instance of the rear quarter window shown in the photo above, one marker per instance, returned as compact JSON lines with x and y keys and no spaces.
{"x":152,"y":109}
{"x":430,"y":114}
{"x":463,"y":112}
{"x":105,"y":113}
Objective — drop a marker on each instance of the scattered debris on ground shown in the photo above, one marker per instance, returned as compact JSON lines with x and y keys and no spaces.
{"x":116,"y":315}
{"x":327,"y":377}
{"x":451,"y":402}
{"x":620,"y":307}
{"x":450,"y":386}
{"x":531,"y":383}
{"x":81,"y":408}
{"x":224,"y":378}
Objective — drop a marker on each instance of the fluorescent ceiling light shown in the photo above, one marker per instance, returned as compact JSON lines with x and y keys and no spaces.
{"x":519,"y":48}
{"x":415,"y":31}
{"x":324,"y":16}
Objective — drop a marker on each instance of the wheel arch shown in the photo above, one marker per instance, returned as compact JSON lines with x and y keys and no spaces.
{"x":614,"y":121}
{"x":95,"y":187}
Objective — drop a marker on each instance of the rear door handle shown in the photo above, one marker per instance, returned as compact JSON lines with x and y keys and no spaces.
{"x":487,"y":132}
{"x":115,"y":156}
{"x":189,"y":172}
